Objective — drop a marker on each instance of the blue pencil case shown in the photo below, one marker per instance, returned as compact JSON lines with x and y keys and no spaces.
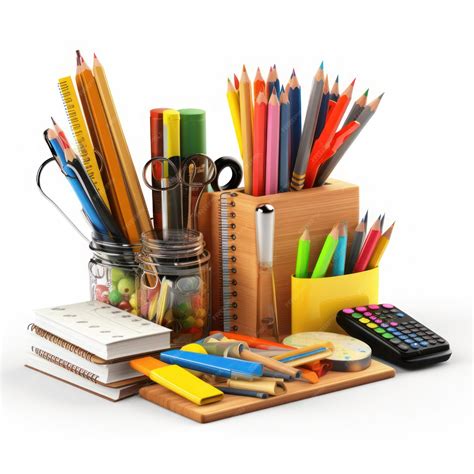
{"x":211,"y":364}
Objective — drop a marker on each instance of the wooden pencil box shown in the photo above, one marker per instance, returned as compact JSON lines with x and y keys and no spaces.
{"x":227,"y":220}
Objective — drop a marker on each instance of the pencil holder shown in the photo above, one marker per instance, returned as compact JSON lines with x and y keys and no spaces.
{"x":316,"y":301}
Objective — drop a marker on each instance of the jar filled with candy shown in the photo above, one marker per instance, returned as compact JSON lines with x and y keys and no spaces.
{"x":112,"y":273}
{"x":173,"y":283}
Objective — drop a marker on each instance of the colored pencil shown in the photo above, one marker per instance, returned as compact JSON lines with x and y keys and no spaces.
{"x":363,"y":119}
{"x":271,"y":81}
{"x":259,"y":144}
{"x":314,"y":104}
{"x":273,"y":142}
{"x":245,"y":97}
{"x":294,"y":96}
{"x":258,"y":85}
{"x":284,"y":165}
{"x":234,"y":107}
{"x":236,"y":83}
{"x":380,"y":248}
{"x":340,"y":253}
{"x":324,"y":141}
{"x":334,"y":94}
{"x":130,"y":177}
{"x":357,"y":108}
{"x":302,"y":255}
{"x":358,"y":239}
{"x":323,"y":109}
{"x":327,"y":252}
{"x":368,"y":248}
{"x":382,"y":220}
{"x":277,"y":82}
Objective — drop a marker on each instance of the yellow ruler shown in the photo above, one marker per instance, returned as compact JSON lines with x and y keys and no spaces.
{"x":81,"y":135}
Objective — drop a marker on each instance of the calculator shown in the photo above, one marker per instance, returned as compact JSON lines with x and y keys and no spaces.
{"x":394,"y":335}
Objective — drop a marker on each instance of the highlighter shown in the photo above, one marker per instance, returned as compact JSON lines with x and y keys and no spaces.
{"x":178,"y":380}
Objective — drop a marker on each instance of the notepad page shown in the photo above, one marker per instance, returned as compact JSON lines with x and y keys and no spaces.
{"x":100,"y":322}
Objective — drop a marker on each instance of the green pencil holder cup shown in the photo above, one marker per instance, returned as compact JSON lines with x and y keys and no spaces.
{"x":316,"y":301}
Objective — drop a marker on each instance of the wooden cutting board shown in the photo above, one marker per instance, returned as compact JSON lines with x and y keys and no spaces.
{"x":232,"y":405}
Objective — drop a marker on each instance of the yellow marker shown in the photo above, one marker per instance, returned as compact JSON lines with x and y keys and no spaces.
{"x":178,"y":380}
{"x":81,"y":135}
{"x":380,"y":248}
{"x":171,"y":137}
{"x":234,"y":107}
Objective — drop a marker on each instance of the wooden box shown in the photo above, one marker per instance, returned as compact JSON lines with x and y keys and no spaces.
{"x":232,"y":224}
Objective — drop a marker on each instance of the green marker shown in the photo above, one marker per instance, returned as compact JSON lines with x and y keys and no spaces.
{"x":326,"y":254}
{"x":192,"y":132}
{"x":302,"y":257}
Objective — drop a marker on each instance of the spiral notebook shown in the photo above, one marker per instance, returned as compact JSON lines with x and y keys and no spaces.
{"x":227,"y":220}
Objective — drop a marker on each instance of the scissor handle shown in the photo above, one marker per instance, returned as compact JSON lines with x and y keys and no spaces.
{"x":198,"y":160}
{"x":38,"y":183}
{"x":176,"y":178}
{"x":236,"y":169}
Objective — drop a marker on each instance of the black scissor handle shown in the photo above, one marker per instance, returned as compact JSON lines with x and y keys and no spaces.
{"x":235,"y":168}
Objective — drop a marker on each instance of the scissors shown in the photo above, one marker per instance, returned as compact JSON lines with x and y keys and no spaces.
{"x":193,"y":176}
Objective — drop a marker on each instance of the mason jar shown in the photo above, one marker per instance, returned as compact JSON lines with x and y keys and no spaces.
{"x":173,"y":280}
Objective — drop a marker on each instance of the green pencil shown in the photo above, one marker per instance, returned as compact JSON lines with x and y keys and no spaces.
{"x":302,"y":257}
{"x":326,"y":254}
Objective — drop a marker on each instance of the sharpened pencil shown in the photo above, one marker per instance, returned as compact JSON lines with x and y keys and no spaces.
{"x":273,"y":143}
{"x":258,"y":85}
{"x":294,"y":96}
{"x":327,"y":252}
{"x":245,"y":98}
{"x":368,"y":248}
{"x":259,"y":144}
{"x":380,"y":248}
{"x":284,"y":154}
{"x":358,"y":239}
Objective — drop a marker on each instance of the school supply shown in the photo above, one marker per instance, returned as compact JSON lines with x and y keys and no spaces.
{"x":380,"y":248}
{"x":285,"y":138}
{"x":245,"y":104}
{"x":339,"y":262}
{"x":258,"y":85}
{"x":348,"y":354}
{"x":177,"y":380}
{"x":305,"y":355}
{"x":259,"y":145}
{"x":294,"y":97}
{"x":234,"y":107}
{"x":266,"y":385}
{"x":192,"y":132}
{"x":326,"y":254}
{"x":233,"y":406}
{"x":273,"y":144}
{"x":103,"y":330}
{"x":77,"y":377}
{"x":267,"y":313}
{"x":357,"y":241}
{"x":242,"y":393}
{"x":368,"y":247}
{"x":215,"y":365}
{"x":302,"y":256}
{"x":323,"y":110}
{"x":394,"y":335}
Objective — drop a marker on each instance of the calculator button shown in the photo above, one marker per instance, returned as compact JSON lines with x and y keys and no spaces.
{"x":394,"y":310}
{"x":361,"y":309}
{"x":419,"y":339}
{"x":364,"y":320}
{"x":382,"y":330}
{"x":394,"y":324}
{"x":412,"y":334}
{"x":403,"y":347}
{"x":378,"y":321}
{"x":402,"y":337}
{"x":378,"y":312}
{"x":405,"y":331}
{"x":430,"y":333}
{"x":356,"y":315}
{"x":372,"y":325}
{"x":441,"y":341}
{"x":395,"y":340}
{"x":415,"y":345}
{"x":388,"y":306}
{"x":432,"y":341}
{"x":371,"y":317}
{"x":385,"y":311}
{"x":424,"y":343}
{"x":348,"y":311}
{"x":400,"y":314}
{"x":409,"y":341}
{"x":397,"y":333}
{"x":391,"y":329}
{"x":405,"y":323}
{"x":387,"y":335}
{"x":374,"y":306}
{"x":384,"y":325}
{"x":418,"y":325}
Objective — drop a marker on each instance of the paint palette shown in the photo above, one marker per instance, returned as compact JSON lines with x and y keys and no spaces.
{"x":394,"y":335}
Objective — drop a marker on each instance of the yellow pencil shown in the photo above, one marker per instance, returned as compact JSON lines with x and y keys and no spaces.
{"x":380,"y":248}
{"x":234,"y":107}
{"x":245,"y":96}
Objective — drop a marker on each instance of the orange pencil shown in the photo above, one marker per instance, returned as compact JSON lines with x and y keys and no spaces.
{"x":324,"y":141}
{"x":246,"y":102}
{"x":258,"y":85}
{"x":259,"y":144}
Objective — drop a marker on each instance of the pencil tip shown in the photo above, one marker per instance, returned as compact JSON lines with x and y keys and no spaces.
{"x":244,"y":68}
{"x":78,"y":57}
{"x":95,"y":56}
{"x":321,"y":66}
{"x":381,"y":95}
{"x":337,"y":79}
{"x":293,"y":73}
{"x":366,"y":93}
{"x":52,"y":120}
{"x":366,"y":217}
{"x":353,"y":82}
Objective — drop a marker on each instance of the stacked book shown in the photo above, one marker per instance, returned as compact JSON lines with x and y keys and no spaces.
{"x":89,"y":345}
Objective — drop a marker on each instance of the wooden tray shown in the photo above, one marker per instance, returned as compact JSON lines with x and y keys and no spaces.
{"x":232,"y":405}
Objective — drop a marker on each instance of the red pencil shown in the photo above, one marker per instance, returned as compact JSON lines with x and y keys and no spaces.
{"x":258,"y":85}
{"x":236,"y":83}
{"x":259,"y":144}
{"x":368,"y":247}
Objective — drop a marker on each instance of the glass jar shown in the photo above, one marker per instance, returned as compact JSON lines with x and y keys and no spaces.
{"x":112,"y":273}
{"x":173,"y":283}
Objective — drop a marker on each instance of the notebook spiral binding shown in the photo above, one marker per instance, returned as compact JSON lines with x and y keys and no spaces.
{"x":60,"y":342}
{"x":227,"y":246}
{"x":65,"y":364}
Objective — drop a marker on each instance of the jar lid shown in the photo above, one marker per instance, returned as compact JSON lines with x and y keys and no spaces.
{"x":173,"y":243}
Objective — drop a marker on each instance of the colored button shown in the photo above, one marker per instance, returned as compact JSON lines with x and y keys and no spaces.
{"x":415,"y":345}
{"x":391,"y":329}
{"x":374,"y":306}
{"x":412,"y":334}
{"x":402,"y":337}
{"x":361,"y":308}
{"x":397,"y":333}
{"x":394,"y":324}
{"x":419,"y":339}
{"x":403,"y":347}
{"x":378,"y":321}
{"x":380,"y":330}
{"x":348,"y":311}
{"x":387,"y":335}
{"x":424,"y":343}
{"x":384,"y":325}
{"x":371,"y":317}
{"x":388,"y":306}
{"x":364,"y":320}
{"x":400,"y":314}
{"x":367,"y":313}
{"x":395,"y":340}
{"x":409,"y":341}
{"x":372,"y":325}
{"x":356,"y":315}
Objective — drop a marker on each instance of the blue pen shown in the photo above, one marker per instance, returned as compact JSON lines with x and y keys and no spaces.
{"x":300,"y":356}
{"x":221,"y":366}
{"x":78,"y":189}
{"x":284,"y":158}
{"x":339,"y":259}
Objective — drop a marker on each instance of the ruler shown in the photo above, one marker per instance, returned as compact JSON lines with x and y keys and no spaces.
{"x":81,"y":135}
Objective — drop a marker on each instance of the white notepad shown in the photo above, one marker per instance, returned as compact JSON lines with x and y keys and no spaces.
{"x":104,"y":330}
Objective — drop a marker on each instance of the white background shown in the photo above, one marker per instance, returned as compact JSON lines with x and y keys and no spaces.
{"x":413,"y":161}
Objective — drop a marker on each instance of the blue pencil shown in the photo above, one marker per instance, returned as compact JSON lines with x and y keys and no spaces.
{"x":277,"y":81}
{"x":284,"y":163}
{"x":294,"y":96}
{"x":339,"y":259}
{"x":76,"y":185}
{"x":323,"y":111}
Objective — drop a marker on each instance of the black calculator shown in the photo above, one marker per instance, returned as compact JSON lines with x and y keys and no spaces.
{"x":394,"y":335}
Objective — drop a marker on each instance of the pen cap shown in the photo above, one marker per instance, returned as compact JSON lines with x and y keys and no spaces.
{"x":265,"y":224}
{"x":193,"y":131}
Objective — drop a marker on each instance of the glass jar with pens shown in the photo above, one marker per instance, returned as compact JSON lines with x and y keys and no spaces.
{"x":173,"y":283}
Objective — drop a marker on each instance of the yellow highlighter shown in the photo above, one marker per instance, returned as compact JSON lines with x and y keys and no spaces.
{"x":178,"y":380}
